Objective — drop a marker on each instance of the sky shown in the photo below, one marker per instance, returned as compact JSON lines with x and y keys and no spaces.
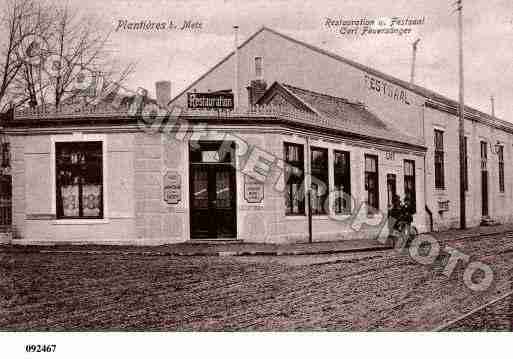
{"x":183,"y":56}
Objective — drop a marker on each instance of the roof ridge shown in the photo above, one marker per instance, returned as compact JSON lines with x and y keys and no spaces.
{"x":347,"y":101}
{"x":423,"y":91}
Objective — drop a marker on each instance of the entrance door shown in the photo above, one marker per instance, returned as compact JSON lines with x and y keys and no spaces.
{"x":391,"y":189}
{"x":212,"y":190}
{"x":484,"y":193}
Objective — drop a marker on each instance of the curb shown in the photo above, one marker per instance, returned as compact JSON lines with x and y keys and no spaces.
{"x":246,"y":253}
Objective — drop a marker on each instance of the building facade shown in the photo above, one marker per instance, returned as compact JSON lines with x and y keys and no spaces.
{"x":414,"y":110}
{"x":306,"y":122}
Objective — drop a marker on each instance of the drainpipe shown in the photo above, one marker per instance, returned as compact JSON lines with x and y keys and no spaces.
{"x":428,"y":211}
{"x":236,"y":67}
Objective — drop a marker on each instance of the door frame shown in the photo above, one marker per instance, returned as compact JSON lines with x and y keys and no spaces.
{"x":234,"y":184}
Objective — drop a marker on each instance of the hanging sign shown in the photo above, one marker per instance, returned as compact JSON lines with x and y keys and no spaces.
{"x":172,"y":187}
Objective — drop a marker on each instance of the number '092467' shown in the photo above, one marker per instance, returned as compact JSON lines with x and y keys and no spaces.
{"x":40,"y":348}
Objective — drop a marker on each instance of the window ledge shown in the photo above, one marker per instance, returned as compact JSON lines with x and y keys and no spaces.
{"x":80,"y":221}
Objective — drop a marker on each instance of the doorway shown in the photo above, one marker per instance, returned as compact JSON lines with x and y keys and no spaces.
{"x":484,"y":179}
{"x":212,"y":189}
{"x":484,"y":193}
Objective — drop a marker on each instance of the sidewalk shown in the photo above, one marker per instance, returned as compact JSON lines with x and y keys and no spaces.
{"x":237,"y":248}
{"x":458,"y":234}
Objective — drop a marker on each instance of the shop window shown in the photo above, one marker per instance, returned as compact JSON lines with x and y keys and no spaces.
{"x":409,"y":182}
{"x":294,"y":178}
{"x":320,"y":179}
{"x":342,"y":179}
{"x":439,"y":160}
{"x":500,"y":155}
{"x":79,"y":179}
{"x":372,"y":183}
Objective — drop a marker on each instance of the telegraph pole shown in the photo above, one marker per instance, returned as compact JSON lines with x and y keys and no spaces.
{"x":461,"y":127}
{"x":413,"y":58}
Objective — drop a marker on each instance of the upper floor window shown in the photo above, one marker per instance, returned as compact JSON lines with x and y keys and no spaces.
{"x":294,"y":178}
{"x":439,"y":160}
{"x":259,"y":67}
{"x":79,"y":179}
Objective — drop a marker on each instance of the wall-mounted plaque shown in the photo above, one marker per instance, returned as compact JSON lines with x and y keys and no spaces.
{"x":172,"y":187}
{"x":253,"y":190}
{"x":390,"y":156}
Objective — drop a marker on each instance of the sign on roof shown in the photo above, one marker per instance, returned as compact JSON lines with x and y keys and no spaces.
{"x":210,"y":100}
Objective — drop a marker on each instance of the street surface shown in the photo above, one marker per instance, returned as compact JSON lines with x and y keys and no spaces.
{"x":380,"y":290}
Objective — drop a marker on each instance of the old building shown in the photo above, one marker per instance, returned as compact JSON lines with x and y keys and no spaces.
{"x":304,"y":119}
{"x":416,"y":111}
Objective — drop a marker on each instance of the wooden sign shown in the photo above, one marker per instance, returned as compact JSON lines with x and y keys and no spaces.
{"x":210,"y":100}
{"x":172,"y":187}
{"x":253,"y":190}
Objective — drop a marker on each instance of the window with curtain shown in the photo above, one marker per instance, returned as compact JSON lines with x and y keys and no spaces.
{"x":342,"y":181}
{"x":294,"y":178}
{"x":79,"y":179}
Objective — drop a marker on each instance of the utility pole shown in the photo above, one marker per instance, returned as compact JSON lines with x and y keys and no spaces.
{"x":309,"y":188}
{"x":414,"y":57}
{"x":461,"y":127}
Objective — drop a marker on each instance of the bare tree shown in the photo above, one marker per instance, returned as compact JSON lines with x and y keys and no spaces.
{"x":79,"y":48}
{"x":19,"y":22}
{"x":74,"y":56}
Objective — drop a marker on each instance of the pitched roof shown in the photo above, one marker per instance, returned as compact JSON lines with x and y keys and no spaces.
{"x":341,"y":113}
{"x":422,"y":91}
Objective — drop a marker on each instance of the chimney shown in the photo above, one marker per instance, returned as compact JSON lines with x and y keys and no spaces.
{"x":255,"y":90}
{"x":414,"y":57}
{"x":163,"y":92}
{"x":493,"y":106}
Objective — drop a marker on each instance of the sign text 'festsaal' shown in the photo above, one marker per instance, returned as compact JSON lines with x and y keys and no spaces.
{"x":385,"y":88}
